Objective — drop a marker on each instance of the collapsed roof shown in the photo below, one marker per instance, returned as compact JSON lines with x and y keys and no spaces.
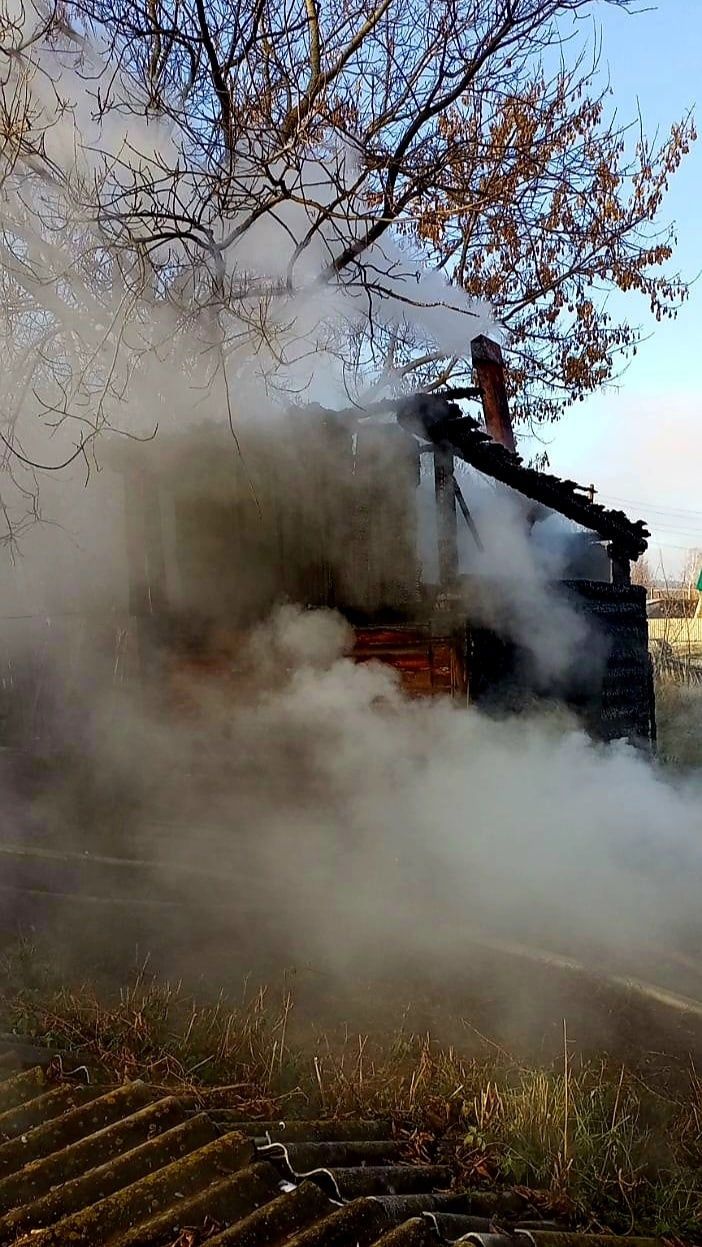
{"x":439,"y":421}
{"x":442,"y":423}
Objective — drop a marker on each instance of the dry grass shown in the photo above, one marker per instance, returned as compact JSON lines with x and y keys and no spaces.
{"x":679,"y":715}
{"x":591,"y":1141}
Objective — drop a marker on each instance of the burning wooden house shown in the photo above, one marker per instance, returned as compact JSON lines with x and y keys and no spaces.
{"x":370,"y":513}
{"x":327,"y":516}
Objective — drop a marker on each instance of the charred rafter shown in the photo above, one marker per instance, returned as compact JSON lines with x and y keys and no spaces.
{"x":437,"y":419}
{"x":470,"y":443}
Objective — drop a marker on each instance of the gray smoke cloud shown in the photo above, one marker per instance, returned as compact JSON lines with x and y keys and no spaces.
{"x":308,"y":791}
{"x":281,"y":787}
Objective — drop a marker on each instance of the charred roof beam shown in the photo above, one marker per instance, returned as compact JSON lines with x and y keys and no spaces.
{"x":628,"y":538}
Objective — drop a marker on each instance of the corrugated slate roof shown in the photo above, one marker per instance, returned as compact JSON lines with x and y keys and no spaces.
{"x":133,"y":1165}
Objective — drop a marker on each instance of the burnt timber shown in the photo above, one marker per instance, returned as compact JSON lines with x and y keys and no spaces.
{"x":468,"y":441}
{"x":334,"y":523}
{"x":437,"y":419}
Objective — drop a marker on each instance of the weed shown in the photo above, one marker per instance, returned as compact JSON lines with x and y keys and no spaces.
{"x":588,"y":1140}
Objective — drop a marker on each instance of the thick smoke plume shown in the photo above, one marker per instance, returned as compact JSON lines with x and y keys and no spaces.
{"x":105,"y":329}
{"x":281,"y":789}
{"x":269,"y":794}
{"x":307,"y":802}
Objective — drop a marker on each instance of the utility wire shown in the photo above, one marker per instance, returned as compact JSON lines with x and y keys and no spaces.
{"x":651,"y":506}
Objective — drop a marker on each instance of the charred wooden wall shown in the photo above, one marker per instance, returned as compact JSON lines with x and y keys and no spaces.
{"x":609,"y":687}
{"x":327,"y":518}
{"x":427,"y":664}
{"x":621,"y":704}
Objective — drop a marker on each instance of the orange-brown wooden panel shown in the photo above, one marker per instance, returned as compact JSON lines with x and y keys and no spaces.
{"x":418,"y":684}
{"x":427,"y":666}
{"x":391,"y":638}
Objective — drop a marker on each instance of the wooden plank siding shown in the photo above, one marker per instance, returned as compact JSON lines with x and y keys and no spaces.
{"x":428,"y":666}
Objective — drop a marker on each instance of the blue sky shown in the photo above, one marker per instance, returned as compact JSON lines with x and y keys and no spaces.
{"x":641,"y":442}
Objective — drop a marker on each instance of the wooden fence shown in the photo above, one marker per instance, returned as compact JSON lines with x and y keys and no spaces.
{"x":677,"y":631}
{"x":676,"y":649}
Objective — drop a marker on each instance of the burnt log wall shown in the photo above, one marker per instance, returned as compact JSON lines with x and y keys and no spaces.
{"x":611,"y":688}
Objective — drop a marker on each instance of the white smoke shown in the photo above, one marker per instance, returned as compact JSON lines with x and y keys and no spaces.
{"x":511,"y":577}
{"x":309,"y":788}
{"x":70,"y":158}
{"x":304,"y":784}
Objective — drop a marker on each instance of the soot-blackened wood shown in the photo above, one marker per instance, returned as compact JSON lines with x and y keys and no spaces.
{"x":472,"y":444}
{"x":489,"y":368}
{"x":608,"y":685}
{"x":445,"y":492}
{"x":477,"y":448}
{"x":621,"y":566}
{"x":465,"y":512}
{"x":623,"y":701}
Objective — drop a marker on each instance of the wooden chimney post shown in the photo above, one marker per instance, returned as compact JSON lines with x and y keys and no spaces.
{"x":621,"y":566}
{"x":489,"y":368}
{"x":445,"y":493}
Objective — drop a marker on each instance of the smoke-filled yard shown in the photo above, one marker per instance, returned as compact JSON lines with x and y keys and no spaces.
{"x":337,"y":901}
{"x":335,"y":783}
{"x":309,"y":812}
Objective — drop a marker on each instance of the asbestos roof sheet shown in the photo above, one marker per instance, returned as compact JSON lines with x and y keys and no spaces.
{"x":133,"y":1165}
